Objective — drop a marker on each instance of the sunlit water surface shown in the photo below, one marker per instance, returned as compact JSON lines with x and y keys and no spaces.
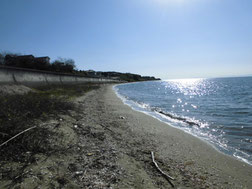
{"x":216,"y":110}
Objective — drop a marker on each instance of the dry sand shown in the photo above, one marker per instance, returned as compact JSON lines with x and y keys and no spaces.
{"x":106,"y":144}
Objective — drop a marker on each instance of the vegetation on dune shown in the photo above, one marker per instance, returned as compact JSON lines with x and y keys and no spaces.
{"x":67,"y":91}
{"x":20,"y":112}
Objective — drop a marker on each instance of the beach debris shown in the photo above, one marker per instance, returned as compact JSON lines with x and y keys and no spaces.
{"x":17,"y":135}
{"x":191,"y":123}
{"x":90,"y":154}
{"x":168,"y":177}
{"x":77,"y":173}
{"x":121,"y":117}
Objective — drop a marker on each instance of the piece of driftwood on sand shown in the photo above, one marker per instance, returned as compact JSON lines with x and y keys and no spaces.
{"x":168,"y":177}
{"x":17,"y":135}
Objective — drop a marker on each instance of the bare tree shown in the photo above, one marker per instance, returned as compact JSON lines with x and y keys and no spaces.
{"x":63,"y":65}
{"x":1,"y":59}
{"x":70,"y":62}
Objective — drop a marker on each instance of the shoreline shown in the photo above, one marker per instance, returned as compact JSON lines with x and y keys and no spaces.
{"x":194,"y":148}
{"x":161,"y":116}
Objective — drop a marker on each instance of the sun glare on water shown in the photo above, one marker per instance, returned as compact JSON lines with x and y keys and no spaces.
{"x":188,"y":86}
{"x":187,"y":81}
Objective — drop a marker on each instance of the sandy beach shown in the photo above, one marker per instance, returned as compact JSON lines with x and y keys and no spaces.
{"x":191,"y":161}
{"x":186,"y":157}
{"x":106,"y":144}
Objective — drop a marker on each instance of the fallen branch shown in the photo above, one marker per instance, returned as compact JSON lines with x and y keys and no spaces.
{"x":168,"y":177}
{"x":17,"y":135}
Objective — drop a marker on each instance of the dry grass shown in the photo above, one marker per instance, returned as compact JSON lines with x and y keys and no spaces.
{"x":19,"y":112}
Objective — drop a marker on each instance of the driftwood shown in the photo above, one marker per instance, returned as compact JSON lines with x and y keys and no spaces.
{"x":168,"y":177}
{"x":17,"y":135}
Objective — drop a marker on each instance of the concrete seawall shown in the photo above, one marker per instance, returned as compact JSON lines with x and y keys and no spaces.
{"x":11,"y":75}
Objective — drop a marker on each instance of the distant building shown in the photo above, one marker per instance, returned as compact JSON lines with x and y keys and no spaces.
{"x":91,"y":73}
{"x":19,"y":61}
{"x":27,"y":61}
{"x":45,"y":60}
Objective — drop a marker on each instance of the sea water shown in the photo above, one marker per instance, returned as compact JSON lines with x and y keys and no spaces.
{"x":216,"y":110}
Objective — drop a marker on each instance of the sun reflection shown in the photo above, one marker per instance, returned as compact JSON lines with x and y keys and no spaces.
{"x":187,"y":81}
{"x":188,"y":86}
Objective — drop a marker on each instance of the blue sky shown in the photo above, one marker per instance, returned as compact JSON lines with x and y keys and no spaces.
{"x":164,"y":38}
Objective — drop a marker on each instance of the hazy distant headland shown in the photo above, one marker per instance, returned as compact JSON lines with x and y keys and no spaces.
{"x":63,"y":65}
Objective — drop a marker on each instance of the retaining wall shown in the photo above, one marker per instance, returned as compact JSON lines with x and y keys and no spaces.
{"x":11,"y":75}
